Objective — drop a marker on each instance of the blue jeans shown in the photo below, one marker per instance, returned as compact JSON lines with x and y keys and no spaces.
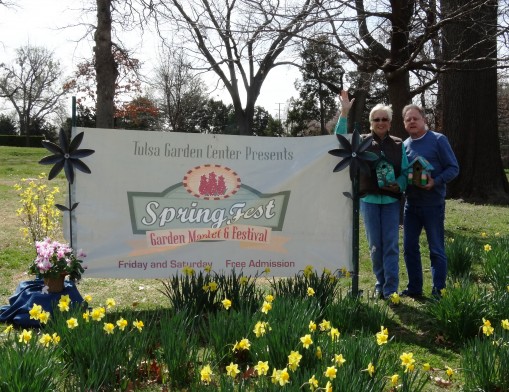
{"x":431,"y":218}
{"x":382,"y":231}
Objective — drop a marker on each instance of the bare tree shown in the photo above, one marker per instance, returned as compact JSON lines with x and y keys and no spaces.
{"x":240,"y":40}
{"x":181,"y":90}
{"x":32,"y":84}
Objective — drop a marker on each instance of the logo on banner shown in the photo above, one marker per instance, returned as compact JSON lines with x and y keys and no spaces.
{"x":210,"y":204}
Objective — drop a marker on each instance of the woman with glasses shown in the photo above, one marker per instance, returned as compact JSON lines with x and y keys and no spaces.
{"x":380,"y":194}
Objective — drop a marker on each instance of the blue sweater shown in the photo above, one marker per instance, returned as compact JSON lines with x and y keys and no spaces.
{"x":436,"y":149}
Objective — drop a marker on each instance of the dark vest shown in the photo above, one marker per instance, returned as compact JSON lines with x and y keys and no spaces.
{"x":390,"y":149}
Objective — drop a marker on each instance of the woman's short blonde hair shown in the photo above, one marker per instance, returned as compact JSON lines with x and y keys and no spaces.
{"x":380,"y":107}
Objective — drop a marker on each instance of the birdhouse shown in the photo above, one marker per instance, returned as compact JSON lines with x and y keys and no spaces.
{"x":418,"y":171}
{"x":384,"y":173}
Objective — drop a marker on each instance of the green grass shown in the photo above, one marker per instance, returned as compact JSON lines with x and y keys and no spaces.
{"x":412,"y":328}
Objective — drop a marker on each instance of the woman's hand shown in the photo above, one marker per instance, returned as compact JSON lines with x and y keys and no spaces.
{"x":346,"y":103}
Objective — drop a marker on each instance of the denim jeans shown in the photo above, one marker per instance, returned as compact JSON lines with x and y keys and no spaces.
{"x":382,"y":231}
{"x":431,"y":218}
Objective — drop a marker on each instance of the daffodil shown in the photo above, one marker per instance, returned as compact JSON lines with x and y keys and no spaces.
{"x":325,"y":325}
{"x":260,"y":328}
{"x":243,"y":280}
{"x":308,"y":271}
{"x":483,"y":235}
{"x":45,"y":340}
{"x":449,"y":372}
{"x":266,"y":270}
{"x":426,"y":367}
{"x":505,"y":324}
{"x":208,"y":269}
{"x":110,"y":303}
{"x":232,"y":370}
{"x":328,"y":387}
{"x":266,"y":307}
{"x":394,"y":379}
{"x":407,"y":359}
{"x":395,"y":298}
{"x":87,"y":298}
{"x":244,"y":344}
{"x":370,"y":369}
{"x":55,"y":338}
{"x":139,"y":325}
{"x":318,"y":352}
{"x":306,"y":341}
{"x":212,"y":286}
{"x":334,"y":334}
{"x":72,"y":323}
{"x":226,"y":303}
{"x":35,"y":312}
{"x":382,"y":336}
{"x":122,"y":323}
{"x":25,"y":336}
{"x":487,"y":247}
{"x":63,"y":306}
{"x":313,"y":383}
{"x":311,"y":292}
{"x":262,"y":368}
{"x":331,"y":372}
{"x":294,"y":360}
{"x":206,"y":374}
{"x":284,"y":377}
{"x":269,"y":298}
{"x":44,"y":317}
{"x":86,"y":316}
{"x":8,"y":329}
{"x":312,"y":326}
{"x":487,"y":329}
{"x":98,"y":314}
{"x":339,"y":359}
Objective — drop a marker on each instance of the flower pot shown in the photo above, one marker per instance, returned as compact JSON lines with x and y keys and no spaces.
{"x":55,"y":284}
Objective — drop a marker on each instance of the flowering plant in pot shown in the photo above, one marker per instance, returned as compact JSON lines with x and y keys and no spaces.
{"x":56,"y":260}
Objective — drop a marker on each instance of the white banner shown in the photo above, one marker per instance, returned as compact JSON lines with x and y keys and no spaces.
{"x":156,"y":203}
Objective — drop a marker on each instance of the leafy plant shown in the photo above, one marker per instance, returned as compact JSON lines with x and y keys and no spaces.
{"x":495,"y":266}
{"x":461,"y":253}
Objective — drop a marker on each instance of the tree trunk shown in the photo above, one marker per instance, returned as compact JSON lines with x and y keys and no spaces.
{"x":105,"y":66}
{"x":398,"y":86}
{"x":470,"y":106}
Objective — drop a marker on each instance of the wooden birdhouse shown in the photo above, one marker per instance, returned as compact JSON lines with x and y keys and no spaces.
{"x":384,"y":173}
{"x":418,"y":171}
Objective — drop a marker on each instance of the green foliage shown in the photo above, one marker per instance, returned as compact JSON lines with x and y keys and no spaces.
{"x":496,"y":265}
{"x":461,"y":253}
{"x":179,"y":348}
{"x":485,"y":364}
{"x":28,"y":366}
{"x":460,"y":311}
{"x":353,"y":314}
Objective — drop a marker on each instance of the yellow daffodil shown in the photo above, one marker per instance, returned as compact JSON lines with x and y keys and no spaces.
{"x":449,"y":372}
{"x":328,"y":387}
{"x":395,"y":298}
{"x":63,"y":306}
{"x":72,"y":323}
{"x":110,"y":303}
{"x":269,"y":298}
{"x":326,"y":271}
{"x":370,"y":369}
{"x":109,"y":328}
{"x":318,"y":352}
{"x":339,"y":359}
{"x":312,"y":326}
{"x":35,"y":312}
{"x":243,"y":280}
{"x":45,"y":340}
{"x":331,"y":372}
{"x":262,"y":368}
{"x":260,"y":328}
{"x":276,"y":374}
{"x":87,"y":298}
{"x":266,"y":270}
{"x":394,"y":379}
{"x":244,"y":344}
{"x":487,"y":329}
{"x":138,"y":324}
{"x":334,"y":334}
{"x":324,"y":325}
{"x":226,"y":303}
{"x":266,"y":307}
{"x":55,"y":338}
{"x":487,"y":247}
{"x":86,"y":316}
{"x":208,"y":269}
{"x":122,"y":323}
{"x":212,"y":286}
{"x":484,"y":235}
{"x":44,"y":317}
{"x":8,"y":329}
{"x":505,"y":323}
{"x":294,"y":360}
{"x":232,"y":370}
{"x":25,"y":336}
{"x":313,"y":383}
{"x":188,"y":271}
{"x":206,"y":374}
{"x":308,"y":271}
{"x":306,"y":341}
{"x":284,"y":377}
{"x":311,"y":292}
{"x":426,"y":367}
{"x":382,"y":336}
{"x":407,"y":359}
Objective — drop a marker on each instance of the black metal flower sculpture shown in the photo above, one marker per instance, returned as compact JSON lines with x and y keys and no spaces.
{"x":355,"y":156}
{"x":66,"y":156}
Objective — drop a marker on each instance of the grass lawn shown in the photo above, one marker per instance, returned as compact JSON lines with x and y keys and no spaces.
{"x":412,"y":328}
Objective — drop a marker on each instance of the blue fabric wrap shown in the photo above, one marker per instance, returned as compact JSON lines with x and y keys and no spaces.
{"x":28,"y":293}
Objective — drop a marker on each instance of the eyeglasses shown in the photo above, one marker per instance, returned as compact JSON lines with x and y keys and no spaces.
{"x":383,"y":119}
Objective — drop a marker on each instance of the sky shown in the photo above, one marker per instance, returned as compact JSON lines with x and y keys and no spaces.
{"x":46,"y":23}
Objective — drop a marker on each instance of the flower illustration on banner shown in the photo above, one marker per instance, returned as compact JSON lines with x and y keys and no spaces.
{"x":354,"y":154}
{"x":66,"y":156}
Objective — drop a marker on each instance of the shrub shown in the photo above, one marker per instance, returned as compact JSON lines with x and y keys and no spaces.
{"x":496,"y":265}
{"x":461,"y":253}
